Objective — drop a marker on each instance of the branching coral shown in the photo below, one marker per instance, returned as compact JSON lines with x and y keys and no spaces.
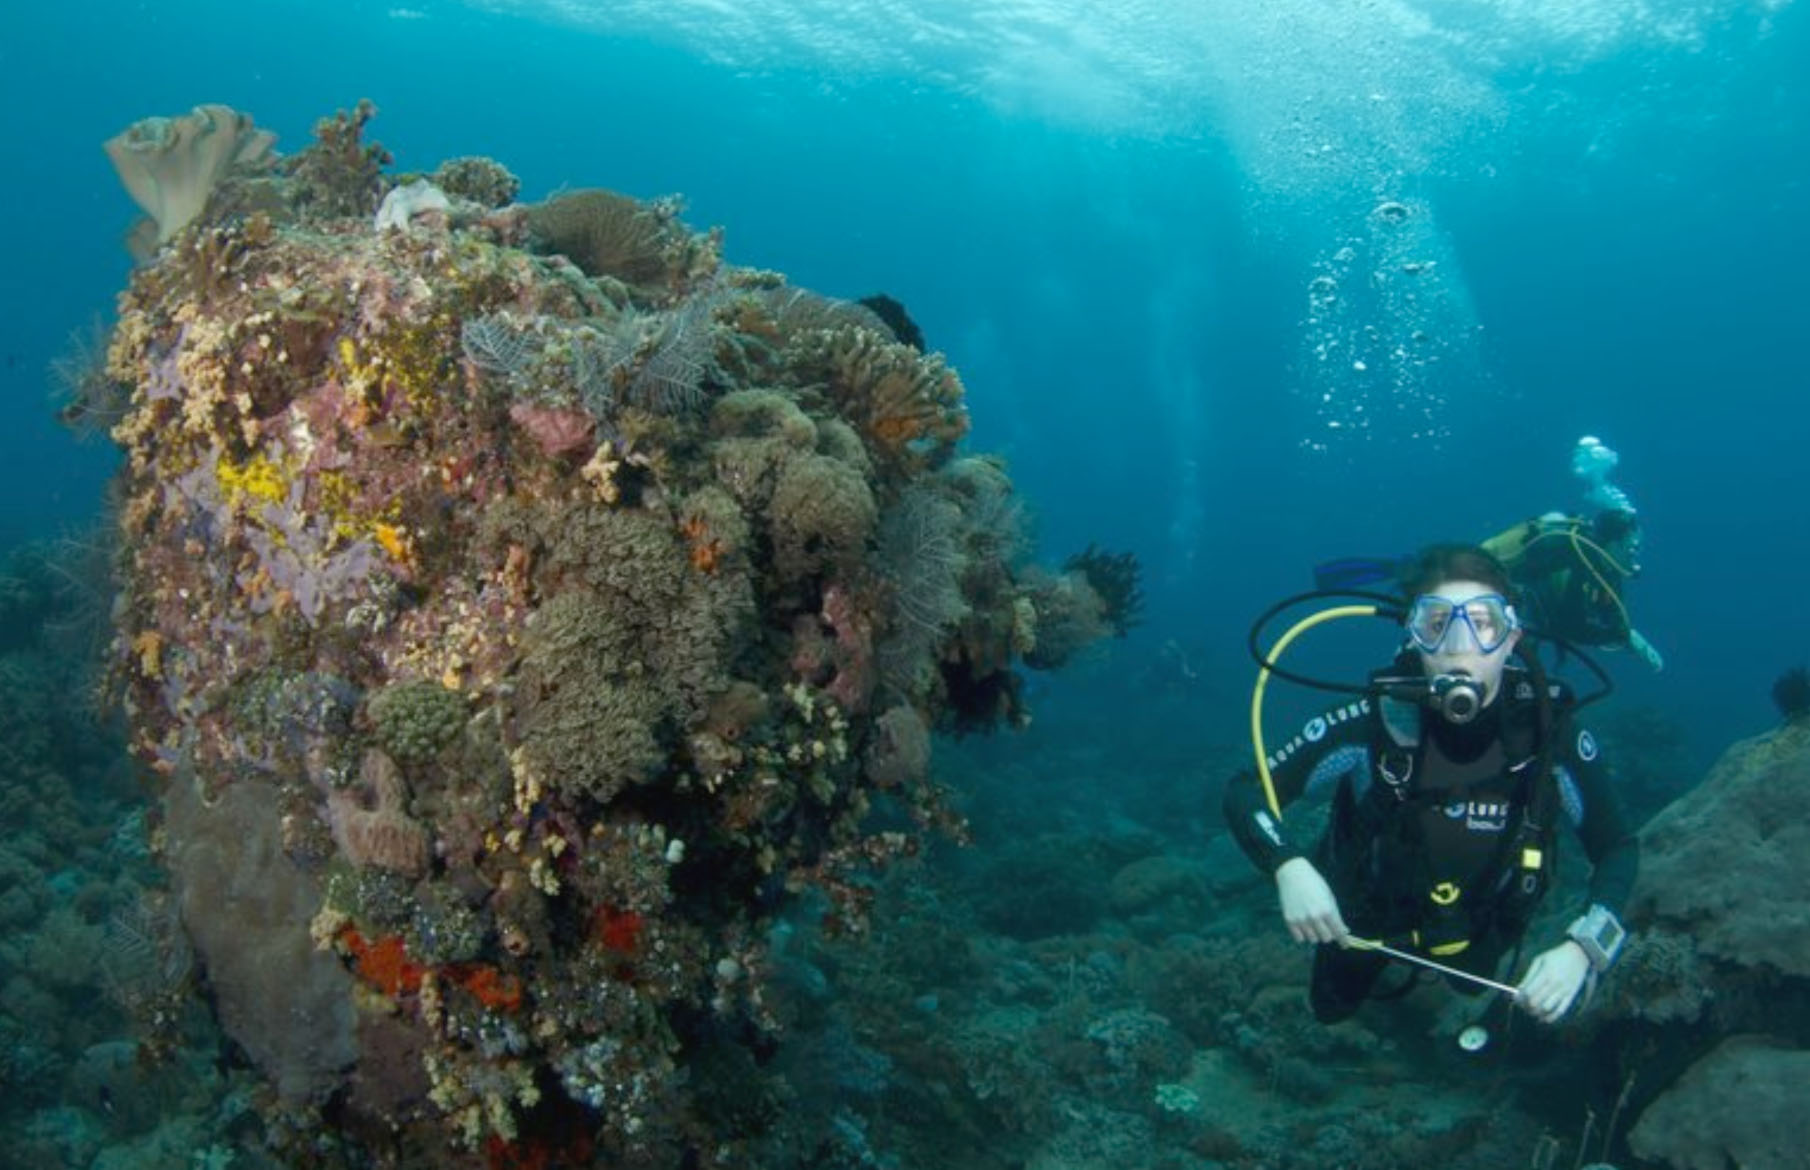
{"x":340,"y":175}
{"x":907,"y":406}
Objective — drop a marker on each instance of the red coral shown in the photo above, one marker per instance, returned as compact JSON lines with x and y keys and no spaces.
{"x":551,"y":1152}
{"x":490,"y":987}
{"x":618,"y":930}
{"x":383,"y":964}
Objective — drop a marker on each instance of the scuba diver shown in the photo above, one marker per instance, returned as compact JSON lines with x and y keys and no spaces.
{"x":1570,"y":572}
{"x":1448,"y":779}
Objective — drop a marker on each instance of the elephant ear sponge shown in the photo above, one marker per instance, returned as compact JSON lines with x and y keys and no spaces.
{"x":170,"y":166}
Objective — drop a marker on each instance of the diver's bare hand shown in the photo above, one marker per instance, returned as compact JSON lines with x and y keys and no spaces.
{"x":1553,"y":981}
{"x":1308,"y":905}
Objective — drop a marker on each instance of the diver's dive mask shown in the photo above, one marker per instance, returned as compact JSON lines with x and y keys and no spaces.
{"x":1456,"y":695}
{"x":1488,"y":616}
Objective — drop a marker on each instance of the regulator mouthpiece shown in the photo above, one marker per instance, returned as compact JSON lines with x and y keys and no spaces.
{"x":1457,"y":697}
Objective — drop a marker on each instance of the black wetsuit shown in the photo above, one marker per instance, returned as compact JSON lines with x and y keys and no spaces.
{"x":1446,"y":827}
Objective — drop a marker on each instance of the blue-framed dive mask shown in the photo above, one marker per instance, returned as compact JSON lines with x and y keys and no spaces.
{"x":1488,"y":616}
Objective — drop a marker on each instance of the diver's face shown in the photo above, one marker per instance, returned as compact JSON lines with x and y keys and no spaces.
{"x":1458,"y":651}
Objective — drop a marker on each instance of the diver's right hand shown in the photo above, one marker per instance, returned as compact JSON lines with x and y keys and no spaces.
{"x":1308,"y":905}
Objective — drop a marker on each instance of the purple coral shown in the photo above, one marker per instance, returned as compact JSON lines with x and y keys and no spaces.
{"x":296,"y":552}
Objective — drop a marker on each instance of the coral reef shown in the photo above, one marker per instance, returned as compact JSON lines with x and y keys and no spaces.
{"x":1080,"y":1042}
{"x":1728,"y":864}
{"x":1740,"y":1106}
{"x":1711,"y":1004}
{"x":96,"y":976}
{"x":510,"y":622}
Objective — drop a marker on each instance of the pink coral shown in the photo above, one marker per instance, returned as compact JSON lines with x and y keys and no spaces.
{"x":557,"y":432}
{"x":854,"y":650}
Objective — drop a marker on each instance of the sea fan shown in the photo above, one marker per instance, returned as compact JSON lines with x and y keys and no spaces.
{"x":1791,"y":694}
{"x":89,"y":400}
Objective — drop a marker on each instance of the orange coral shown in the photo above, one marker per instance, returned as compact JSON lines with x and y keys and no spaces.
{"x":395,"y":541}
{"x":706,"y":549}
{"x":385,"y":965}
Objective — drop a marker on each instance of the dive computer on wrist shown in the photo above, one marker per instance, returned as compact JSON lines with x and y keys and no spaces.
{"x":1601,"y":936}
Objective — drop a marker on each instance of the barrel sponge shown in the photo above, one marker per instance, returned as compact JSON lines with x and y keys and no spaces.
{"x":170,"y":166}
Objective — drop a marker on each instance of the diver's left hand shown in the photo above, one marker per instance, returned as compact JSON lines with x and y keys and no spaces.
{"x":1648,"y":652}
{"x":1553,"y":981}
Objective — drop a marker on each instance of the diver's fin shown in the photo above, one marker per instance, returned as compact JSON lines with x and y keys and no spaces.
{"x":1356,"y":572}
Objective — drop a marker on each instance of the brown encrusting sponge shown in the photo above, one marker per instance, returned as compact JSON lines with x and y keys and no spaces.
{"x":521,"y":607}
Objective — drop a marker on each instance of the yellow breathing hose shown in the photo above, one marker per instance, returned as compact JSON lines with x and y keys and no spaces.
{"x":1578,"y":543}
{"x":1574,"y":534}
{"x":1263,"y":678}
